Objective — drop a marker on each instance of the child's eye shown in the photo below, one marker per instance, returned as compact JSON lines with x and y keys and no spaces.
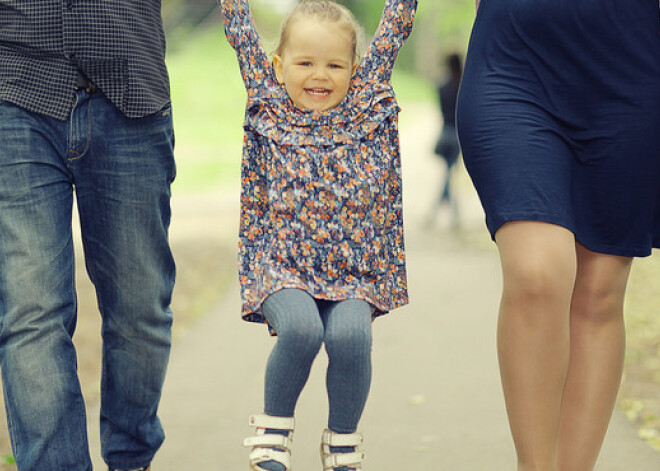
{"x":336,"y":66}
{"x":305,"y":64}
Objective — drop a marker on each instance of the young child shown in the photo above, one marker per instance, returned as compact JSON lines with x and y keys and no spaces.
{"x":321,"y":234}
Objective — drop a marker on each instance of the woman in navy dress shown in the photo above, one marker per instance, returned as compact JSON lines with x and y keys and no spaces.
{"x":558,"y":118}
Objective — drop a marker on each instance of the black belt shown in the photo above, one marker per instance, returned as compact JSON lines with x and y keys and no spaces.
{"x":85,"y":83}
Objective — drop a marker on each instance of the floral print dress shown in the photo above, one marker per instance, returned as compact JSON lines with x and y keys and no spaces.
{"x":321,"y":191}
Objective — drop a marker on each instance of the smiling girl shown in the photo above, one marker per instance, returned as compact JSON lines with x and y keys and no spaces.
{"x":316,"y":58}
{"x":321,"y":232}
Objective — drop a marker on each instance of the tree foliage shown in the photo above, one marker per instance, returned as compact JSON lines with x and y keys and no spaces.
{"x":441,"y":27}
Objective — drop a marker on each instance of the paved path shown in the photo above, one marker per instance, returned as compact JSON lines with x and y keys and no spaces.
{"x":435,"y":402}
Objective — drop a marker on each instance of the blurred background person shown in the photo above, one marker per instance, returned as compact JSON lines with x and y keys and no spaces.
{"x":447,"y":146}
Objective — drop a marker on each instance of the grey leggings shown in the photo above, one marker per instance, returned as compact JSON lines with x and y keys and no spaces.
{"x":302,"y":324}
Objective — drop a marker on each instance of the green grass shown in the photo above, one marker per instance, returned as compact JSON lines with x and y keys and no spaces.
{"x":410,"y":87}
{"x":208,"y":100}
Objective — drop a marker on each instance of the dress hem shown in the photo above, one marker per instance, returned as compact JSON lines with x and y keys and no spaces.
{"x":494,"y":224}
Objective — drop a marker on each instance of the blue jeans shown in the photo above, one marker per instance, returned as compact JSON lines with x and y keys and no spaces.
{"x":121,"y":170}
{"x":303,"y":324}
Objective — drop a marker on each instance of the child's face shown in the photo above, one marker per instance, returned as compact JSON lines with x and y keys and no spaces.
{"x":316,"y":64}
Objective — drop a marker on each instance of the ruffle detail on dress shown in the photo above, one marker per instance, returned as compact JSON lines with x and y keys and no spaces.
{"x":358,"y":116}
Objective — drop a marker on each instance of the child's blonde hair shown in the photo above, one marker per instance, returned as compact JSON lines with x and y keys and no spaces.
{"x":326,"y":10}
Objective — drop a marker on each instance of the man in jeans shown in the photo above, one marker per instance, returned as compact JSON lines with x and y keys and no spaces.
{"x":84,"y":104}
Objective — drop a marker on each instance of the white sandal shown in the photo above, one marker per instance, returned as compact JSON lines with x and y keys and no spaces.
{"x":332,"y":460}
{"x":267,"y":446}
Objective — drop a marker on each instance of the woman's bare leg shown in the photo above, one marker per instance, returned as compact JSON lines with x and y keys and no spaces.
{"x":597,"y":353}
{"x":539,"y":268}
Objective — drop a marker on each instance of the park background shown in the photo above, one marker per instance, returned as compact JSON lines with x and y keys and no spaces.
{"x":208,"y":104}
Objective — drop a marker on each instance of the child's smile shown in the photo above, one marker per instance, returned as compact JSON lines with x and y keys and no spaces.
{"x":318,"y":91}
{"x":319,"y":96}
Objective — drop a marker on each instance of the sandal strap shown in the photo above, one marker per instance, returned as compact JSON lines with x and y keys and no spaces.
{"x":268,"y":440}
{"x":331,"y":438}
{"x":272,"y":422}
{"x":332,"y":460}
{"x":261,"y":455}
{"x":270,"y":446}
{"x":335,"y":460}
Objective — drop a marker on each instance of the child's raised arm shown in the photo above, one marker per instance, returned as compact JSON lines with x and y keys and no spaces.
{"x":395,"y":26}
{"x":244,"y":38}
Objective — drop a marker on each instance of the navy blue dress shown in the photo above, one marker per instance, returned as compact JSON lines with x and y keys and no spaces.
{"x":559,"y":118}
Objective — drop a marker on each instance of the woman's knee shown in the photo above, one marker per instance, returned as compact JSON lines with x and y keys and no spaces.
{"x":533,"y":284}
{"x":538,"y":262}
{"x":600,"y":286}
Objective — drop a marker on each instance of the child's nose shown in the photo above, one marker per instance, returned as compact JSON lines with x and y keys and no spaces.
{"x":320,"y":73}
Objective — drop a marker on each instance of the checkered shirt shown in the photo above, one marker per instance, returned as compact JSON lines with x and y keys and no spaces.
{"x":118,"y":44}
